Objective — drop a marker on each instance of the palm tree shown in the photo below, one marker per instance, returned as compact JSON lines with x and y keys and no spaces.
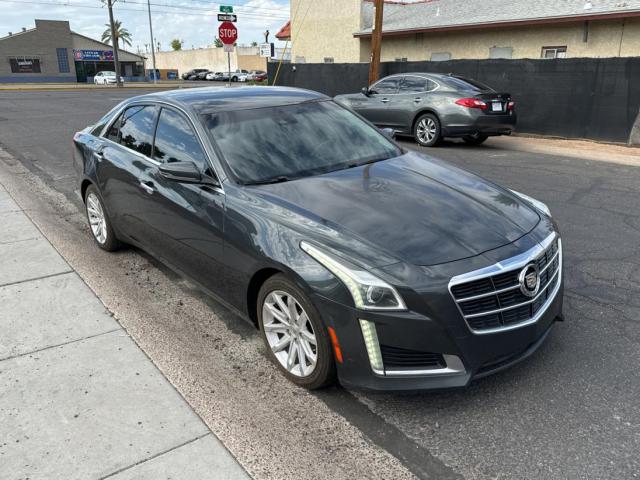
{"x":122,"y":34}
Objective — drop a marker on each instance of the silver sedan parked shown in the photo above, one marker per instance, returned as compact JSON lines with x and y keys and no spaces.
{"x":431,"y":106}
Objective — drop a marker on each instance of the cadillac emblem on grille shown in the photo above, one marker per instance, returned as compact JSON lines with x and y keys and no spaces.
{"x":529,"y":279}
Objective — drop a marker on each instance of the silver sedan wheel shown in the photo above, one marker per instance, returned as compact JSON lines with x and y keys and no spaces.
{"x":289,"y":333}
{"x":426,"y":130}
{"x":97,"y":220}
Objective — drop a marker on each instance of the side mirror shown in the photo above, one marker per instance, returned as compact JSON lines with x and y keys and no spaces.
{"x":390,"y":133}
{"x":181,"y":172}
{"x":365,"y":91}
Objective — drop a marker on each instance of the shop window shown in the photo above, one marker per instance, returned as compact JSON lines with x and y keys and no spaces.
{"x":63,"y":60}
{"x":500,"y":52}
{"x":554,"y":52}
{"x":25,"y":65}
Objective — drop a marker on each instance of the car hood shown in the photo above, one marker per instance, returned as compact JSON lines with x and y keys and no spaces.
{"x":415,"y":208}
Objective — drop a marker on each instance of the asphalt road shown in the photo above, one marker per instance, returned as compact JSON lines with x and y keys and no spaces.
{"x":569,"y":412}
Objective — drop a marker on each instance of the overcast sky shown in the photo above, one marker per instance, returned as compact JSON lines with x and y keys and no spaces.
{"x":194,"y":21}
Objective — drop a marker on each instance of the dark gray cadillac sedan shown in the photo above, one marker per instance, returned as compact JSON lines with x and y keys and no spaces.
{"x":356,"y":259}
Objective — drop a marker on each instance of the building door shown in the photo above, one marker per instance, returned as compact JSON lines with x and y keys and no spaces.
{"x":81,"y":74}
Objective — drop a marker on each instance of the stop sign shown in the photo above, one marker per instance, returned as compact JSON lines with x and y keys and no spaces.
{"x":227,"y":33}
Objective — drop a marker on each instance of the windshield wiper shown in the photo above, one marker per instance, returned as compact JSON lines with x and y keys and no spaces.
{"x":279,"y":179}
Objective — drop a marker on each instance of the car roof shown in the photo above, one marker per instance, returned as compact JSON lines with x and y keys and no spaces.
{"x":422,"y":74}
{"x":205,"y":100}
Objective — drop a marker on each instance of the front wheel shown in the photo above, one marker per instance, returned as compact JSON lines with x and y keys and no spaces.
{"x":427,"y":130}
{"x":295,"y":336}
{"x":234,"y":79}
{"x":475,"y":139}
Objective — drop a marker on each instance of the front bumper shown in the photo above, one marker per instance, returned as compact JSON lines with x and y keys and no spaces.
{"x":464,"y":355}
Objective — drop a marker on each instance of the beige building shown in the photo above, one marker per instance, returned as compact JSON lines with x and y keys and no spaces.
{"x":340,"y":30}
{"x":215,"y":59}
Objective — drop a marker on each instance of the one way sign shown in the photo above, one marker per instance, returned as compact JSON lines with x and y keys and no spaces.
{"x":227,"y":17}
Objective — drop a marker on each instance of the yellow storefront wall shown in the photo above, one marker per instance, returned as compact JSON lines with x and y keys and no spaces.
{"x":328,"y":33}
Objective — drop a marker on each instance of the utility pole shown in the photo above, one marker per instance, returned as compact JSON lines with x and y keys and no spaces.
{"x":376,"y":42}
{"x":153,"y":53}
{"x":114,"y":41}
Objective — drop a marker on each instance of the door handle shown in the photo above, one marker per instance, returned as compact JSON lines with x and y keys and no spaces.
{"x":99,"y":152}
{"x":417,"y":99}
{"x":147,"y":187}
{"x":384,"y":100}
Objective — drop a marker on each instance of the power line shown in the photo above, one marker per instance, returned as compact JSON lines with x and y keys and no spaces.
{"x":184,"y":7}
{"x":201,"y":11}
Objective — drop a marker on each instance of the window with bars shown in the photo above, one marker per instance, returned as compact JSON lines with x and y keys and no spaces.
{"x":554,"y":52}
{"x":63,"y":60}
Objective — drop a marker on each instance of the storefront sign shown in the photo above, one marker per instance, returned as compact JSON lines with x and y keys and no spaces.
{"x":94,"y":55}
{"x":25,"y":65}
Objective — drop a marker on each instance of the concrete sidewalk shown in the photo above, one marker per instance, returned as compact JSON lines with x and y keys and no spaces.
{"x":78,"y":398}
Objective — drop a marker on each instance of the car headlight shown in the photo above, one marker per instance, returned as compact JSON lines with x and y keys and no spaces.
{"x":368,"y":291}
{"x":537,"y":204}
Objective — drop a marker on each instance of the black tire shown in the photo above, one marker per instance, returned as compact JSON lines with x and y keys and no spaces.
{"x":234,"y":79}
{"x":427,"y":121}
{"x":111,"y":242}
{"x":476,"y":139}
{"x":324,"y":373}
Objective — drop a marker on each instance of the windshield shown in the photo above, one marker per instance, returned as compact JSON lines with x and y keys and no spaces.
{"x":281,"y":143}
{"x":467,"y":84}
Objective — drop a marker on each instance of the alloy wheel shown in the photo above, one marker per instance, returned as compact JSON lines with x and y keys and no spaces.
{"x":97,"y":219}
{"x":289,"y":333}
{"x":426,"y":130}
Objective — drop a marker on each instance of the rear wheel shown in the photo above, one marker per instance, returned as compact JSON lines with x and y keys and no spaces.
{"x":295,"y":336}
{"x":99,"y":222}
{"x":427,"y":130}
{"x":475,"y":139}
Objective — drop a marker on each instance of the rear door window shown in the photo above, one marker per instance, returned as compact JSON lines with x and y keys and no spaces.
{"x":136,"y":128}
{"x":411,"y":84}
{"x":387,"y":86}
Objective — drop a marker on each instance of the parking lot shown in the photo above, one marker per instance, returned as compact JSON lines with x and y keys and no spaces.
{"x":570,"y":411}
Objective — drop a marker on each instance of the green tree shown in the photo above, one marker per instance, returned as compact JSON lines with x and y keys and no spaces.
{"x":176,"y":44}
{"x":254,"y":44}
{"x":218,"y":43}
{"x":122,"y":34}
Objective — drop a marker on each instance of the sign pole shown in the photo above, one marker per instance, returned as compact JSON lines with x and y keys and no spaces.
{"x":114,"y":41}
{"x":153,"y":53}
{"x":229,"y":67}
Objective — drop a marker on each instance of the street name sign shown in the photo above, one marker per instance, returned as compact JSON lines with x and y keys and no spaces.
{"x":226,"y":9}
{"x":227,"y":17}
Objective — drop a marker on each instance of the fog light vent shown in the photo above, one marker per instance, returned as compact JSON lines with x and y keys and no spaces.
{"x":373,"y":346}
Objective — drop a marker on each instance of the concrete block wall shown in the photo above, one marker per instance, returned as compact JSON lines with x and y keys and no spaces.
{"x":42,"y":43}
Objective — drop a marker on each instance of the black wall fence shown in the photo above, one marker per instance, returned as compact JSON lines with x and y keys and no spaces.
{"x":594,"y":98}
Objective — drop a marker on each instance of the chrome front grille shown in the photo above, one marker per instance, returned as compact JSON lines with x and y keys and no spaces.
{"x":492,"y":299}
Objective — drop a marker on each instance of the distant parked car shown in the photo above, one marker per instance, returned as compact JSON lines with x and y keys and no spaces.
{"x":257,"y":75}
{"x":432,"y":106}
{"x":106,"y":78}
{"x":211,"y":76}
{"x":203,"y":75}
{"x":239,"y":76}
{"x":192,"y":74}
